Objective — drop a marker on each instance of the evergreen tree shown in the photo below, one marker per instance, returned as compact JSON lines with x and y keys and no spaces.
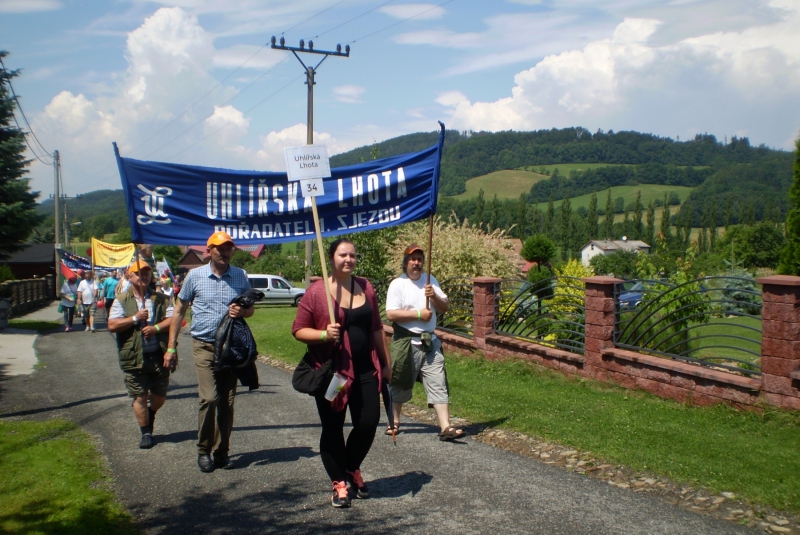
{"x":494,"y":213}
{"x":650,"y":232}
{"x":591,"y":219}
{"x":550,"y":220}
{"x":608,"y":226}
{"x":790,"y":255}
{"x":564,"y":230}
{"x":665,"y":222}
{"x":18,"y":217}
{"x":626,"y":226}
{"x":480,"y":206}
{"x":712,"y":237}
{"x":728,"y":213}
{"x":521,"y":219}
{"x":638,"y":226}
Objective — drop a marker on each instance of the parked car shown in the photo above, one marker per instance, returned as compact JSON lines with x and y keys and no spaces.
{"x":632,"y":297}
{"x":276,"y":289}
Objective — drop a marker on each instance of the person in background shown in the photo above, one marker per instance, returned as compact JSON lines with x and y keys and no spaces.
{"x":88,"y":292}
{"x":108,"y":290}
{"x":141,"y":320}
{"x":416,"y":351}
{"x":69,"y":298}
{"x":359,"y":354}
{"x":79,"y":304}
{"x":209,"y":290}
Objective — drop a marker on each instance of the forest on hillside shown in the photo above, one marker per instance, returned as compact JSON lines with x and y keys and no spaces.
{"x":733,"y":181}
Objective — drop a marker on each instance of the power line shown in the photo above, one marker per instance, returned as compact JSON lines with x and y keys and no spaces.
{"x":400,"y":21}
{"x":22,"y":112}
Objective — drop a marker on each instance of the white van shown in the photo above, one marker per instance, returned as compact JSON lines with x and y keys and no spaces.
{"x":276,"y":289}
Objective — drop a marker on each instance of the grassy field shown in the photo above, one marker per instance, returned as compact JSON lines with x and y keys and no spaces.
{"x":717,"y":447}
{"x":54,"y":481}
{"x":505,"y":184}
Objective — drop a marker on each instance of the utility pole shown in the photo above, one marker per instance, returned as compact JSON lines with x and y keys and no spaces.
{"x":56,"y":245}
{"x":310,"y":73}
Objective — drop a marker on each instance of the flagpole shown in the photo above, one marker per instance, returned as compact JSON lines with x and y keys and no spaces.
{"x":430,"y":254}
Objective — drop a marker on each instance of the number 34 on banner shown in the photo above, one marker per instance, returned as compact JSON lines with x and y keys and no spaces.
{"x":312,"y":187}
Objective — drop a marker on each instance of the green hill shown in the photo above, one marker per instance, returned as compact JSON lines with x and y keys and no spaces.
{"x":650,"y":192}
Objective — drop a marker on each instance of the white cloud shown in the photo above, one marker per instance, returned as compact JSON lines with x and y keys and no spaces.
{"x":418,"y":11}
{"x":625,"y":82}
{"x":227,"y":124}
{"x":350,"y":94}
{"x":270,"y":152}
{"x":29,"y":6}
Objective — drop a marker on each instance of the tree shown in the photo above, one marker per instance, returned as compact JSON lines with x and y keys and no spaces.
{"x":638,"y":227}
{"x":665,"y":222}
{"x":608,"y":225}
{"x":18,"y":217}
{"x":538,"y":248}
{"x":650,"y":231}
{"x":480,"y":206}
{"x":564,"y":233}
{"x":494,"y":213}
{"x":621,"y":264}
{"x":790,"y":256}
{"x":591,"y":221}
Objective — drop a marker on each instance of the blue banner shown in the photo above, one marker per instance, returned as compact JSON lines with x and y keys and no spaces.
{"x":74,"y":262}
{"x":175,"y":204}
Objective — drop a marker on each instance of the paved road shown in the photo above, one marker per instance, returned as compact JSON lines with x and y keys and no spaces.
{"x":420,"y":486}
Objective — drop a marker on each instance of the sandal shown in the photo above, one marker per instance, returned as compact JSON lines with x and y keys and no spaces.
{"x":451,"y":433}
{"x":389,"y":430}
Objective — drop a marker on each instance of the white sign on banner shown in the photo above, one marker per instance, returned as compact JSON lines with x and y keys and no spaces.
{"x":308,"y":161}
{"x":312,"y":187}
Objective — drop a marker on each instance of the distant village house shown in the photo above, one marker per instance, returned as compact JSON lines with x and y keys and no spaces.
{"x":607,"y":247}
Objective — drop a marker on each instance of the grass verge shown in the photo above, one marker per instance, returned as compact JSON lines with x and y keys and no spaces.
{"x":31,"y":325}
{"x":753,"y":454}
{"x":54,"y":482}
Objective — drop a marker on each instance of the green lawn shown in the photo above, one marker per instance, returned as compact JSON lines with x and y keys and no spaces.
{"x":720,"y":343}
{"x":753,"y":454}
{"x":54,"y":481}
{"x":31,"y":325}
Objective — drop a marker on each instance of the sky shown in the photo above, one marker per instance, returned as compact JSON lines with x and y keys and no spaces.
{"x":196,"y":82}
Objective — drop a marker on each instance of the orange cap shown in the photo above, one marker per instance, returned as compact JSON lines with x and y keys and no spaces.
{"x":218,"y":238}
{"x":138,"y":266}
{"x":412,"y":249}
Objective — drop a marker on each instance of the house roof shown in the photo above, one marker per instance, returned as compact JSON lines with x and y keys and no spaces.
{"x":618,"y":245}
{"x":35,"y":253}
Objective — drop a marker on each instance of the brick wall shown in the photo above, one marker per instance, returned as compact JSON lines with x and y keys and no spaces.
{"x":779,"y":384}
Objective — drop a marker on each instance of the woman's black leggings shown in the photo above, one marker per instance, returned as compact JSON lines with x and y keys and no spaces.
{"x":364,"y":404}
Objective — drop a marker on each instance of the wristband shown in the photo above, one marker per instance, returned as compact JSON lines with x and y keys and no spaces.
{"x":158,"y":329}
{"x":419,"y":315}
{"x":172,"y":350}
{"x":135,"y":320}
{"x":323,"y":335}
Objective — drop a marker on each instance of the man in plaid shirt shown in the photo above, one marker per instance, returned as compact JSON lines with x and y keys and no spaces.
{"x":208,"y":290}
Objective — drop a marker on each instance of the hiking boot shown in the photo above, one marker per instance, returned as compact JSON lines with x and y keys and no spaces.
{"x":147,"y":442}
{"x":340,"y":496}
{"x":354,"y":479}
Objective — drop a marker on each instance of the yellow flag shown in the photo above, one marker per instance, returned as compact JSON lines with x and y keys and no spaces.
{"x":112,"y":255}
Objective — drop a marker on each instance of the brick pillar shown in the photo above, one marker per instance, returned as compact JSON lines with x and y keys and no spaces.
{"x":483,"y":307}
{"x":599,"y":323}
{"x":780,"y":342}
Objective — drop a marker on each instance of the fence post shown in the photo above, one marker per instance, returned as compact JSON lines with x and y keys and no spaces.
{"x":600,"y":319}
{"x":483,"y":308}
{"x":780,"y":340}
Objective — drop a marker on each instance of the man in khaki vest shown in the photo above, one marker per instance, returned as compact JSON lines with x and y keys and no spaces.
{"x":141,"y":321}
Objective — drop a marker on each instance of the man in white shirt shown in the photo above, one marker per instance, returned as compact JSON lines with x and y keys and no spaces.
{"x":411,"y":306}
{"x":87,"y":289}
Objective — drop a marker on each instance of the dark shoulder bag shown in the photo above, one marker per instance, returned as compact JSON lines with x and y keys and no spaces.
{"x":314,"y":382}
